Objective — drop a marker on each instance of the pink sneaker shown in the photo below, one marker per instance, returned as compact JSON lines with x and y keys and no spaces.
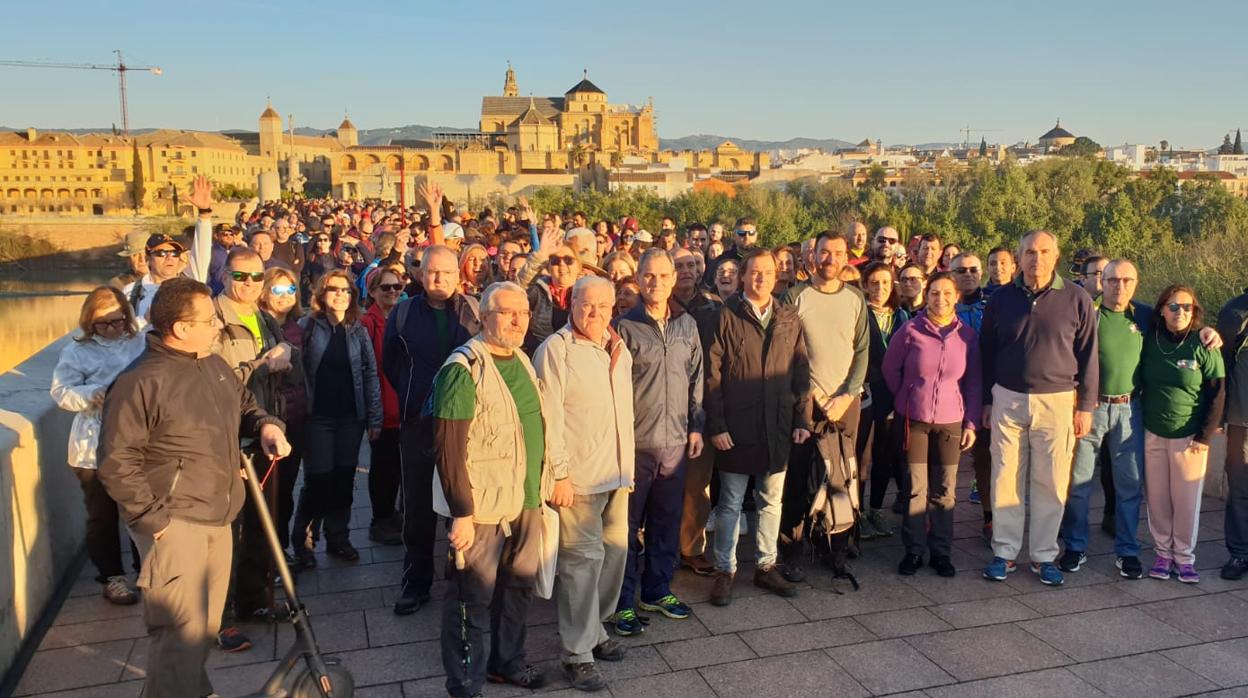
{"x":1161,"y":568}
{"x":1188,"y":575}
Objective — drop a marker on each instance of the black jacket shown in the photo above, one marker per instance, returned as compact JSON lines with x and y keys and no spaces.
{"x":169,"y":440}
{"x":411,"y":358}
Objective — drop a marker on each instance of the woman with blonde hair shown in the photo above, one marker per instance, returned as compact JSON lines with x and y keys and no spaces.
{"x":474,"y":269}
{"x":619,"y":265}
{"x":108,"y":340}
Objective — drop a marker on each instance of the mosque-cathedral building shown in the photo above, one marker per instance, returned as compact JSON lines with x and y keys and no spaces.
{"x":521,"y":143}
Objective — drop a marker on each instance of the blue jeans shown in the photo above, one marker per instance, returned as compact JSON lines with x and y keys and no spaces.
{"x":655,"y":504}
{"x":768,"y":490}
{"x":1119,"y":428}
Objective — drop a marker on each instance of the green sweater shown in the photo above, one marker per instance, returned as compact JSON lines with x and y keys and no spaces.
{"x":1184,"y":386}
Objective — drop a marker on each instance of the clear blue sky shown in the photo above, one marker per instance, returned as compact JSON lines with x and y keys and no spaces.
{"x":906,"y":72}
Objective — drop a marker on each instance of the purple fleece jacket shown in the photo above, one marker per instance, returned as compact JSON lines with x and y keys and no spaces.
{"x":934,"y":372}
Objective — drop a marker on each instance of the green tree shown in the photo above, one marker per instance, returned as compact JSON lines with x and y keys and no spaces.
{"x":1082,"y":147}
{"x":138,"y":187}
{"x":983,"y":146}
{"x":1238,"y":148}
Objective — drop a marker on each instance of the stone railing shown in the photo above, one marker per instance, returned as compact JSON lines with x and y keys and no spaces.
{"x":41,"y":510}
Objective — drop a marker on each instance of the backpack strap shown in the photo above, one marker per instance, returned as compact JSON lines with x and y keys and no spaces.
{"x":136,"y":294}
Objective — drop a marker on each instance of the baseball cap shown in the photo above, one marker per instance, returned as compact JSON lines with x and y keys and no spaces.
{"x":630,"y":223}
{"x":452,"y":230}
{"x":158,"y":239}
{"x":133,"y":244}
{"x":644,"y":236}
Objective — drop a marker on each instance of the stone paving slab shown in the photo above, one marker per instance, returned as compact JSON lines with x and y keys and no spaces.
{"x":921,"y":636}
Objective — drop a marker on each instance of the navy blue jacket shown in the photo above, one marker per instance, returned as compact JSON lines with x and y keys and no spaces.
{"x":412,"y":358}
{"x":1041,"y":343}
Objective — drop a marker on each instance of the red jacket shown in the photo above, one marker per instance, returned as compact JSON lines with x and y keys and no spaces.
{"x":374,"y":322}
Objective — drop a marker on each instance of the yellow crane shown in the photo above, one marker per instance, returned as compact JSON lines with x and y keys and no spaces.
{"x":121,"y":68}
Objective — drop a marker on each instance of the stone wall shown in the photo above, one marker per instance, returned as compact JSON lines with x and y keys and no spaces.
{"x":41,"y":512}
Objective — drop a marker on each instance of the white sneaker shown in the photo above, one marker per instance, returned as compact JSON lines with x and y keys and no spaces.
{"x":118,"y":591}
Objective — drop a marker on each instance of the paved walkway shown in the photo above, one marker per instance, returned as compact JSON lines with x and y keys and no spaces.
{"x":925,"y":635}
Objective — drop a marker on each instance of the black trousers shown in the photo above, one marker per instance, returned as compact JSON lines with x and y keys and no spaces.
{"x":797,"y":489}
{"x":254,"y":568}
{"x":385,"y":474}
{"x":287,"y":475}
{"x":932,"y":452}
{"x":420,"y":524}
{"x":103,"y":534}
{"x":331,"y":455}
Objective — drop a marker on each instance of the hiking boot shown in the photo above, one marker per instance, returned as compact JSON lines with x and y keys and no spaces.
{"x":1050,"y":575}
{"x":305,"y":559}
{"x":232,"y":639}
{"x":610,"y":651}
{"x":117,"y":591}
{"x":1161,"y":568}
{"x":1188,"y":575}
{"x":698,"y":564}
{"x":529,"y":677}
{"x":669,"y":606}
{"x":943,"y":566}
{"x":866,"y":529}
{"x":975,"y":498}
{"x":383,"y":531}
{"x":793,"y":572}
{"x":909,"y":564}
{"x":881,"y":525}
{"x":771,"y":579}
{"x":999,"y":569}
{"x":1129,"y":566}
{"x":1235,"y":568}
{"x":721,"y":590}
{"x":1072,"y":560}
{"x":584,"y":676}
{"x":343,"y":550}
{"x":626,"y":623}
{"x":410,"y":602}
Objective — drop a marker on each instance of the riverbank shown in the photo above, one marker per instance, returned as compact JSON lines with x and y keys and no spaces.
{"x":53,"y":243}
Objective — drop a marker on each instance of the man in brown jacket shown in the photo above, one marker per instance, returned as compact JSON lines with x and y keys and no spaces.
{"x":757,"y":405}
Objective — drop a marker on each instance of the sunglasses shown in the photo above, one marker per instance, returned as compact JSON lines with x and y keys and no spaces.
{"x":390,"y":288}
{"x":745,"y":233}
{"x":105,"y":325}
{"x":891,"y":241}
{"x":287,"y":290}
{"x":566,"y":261}
{"x":966,"y":270}
{"x":337,"y":289}
{"x":162,"y":254}
{"x":256,"y":276}
{"x":1176,"y":307}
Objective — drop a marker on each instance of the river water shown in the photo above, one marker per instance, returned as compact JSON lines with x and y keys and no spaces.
{"x":38,"y":308}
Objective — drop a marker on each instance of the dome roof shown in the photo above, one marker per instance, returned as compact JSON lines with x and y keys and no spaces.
{"x":1057,"y":132}
{"x":584,"y":86}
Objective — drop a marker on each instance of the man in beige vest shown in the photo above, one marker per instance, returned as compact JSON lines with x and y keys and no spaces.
{"x":490,"y":450}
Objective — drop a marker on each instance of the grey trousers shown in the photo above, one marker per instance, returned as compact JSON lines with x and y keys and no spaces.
{"x":491,"y":594}
{"x":184,"y":580}
{"x":593,"y":547}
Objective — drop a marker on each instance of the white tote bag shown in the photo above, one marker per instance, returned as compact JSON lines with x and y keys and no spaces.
{"x":544,"y":587}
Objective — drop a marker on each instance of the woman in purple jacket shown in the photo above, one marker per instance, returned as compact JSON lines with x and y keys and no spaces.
{"x":932,"y":367}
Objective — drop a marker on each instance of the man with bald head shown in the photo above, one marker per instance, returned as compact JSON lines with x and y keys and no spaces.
{"x":859,"y":252}
{"x":1041,"y":374}
{"x":420,"y":334}
{"x":886,"y":247}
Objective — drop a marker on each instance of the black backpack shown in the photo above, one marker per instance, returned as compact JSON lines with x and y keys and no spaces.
{"x":832,"y":519}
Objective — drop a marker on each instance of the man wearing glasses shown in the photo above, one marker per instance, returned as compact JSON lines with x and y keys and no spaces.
{"x":251,"y":343}
{"x":744,"y":237}
{"x":169,"y":456}
{"x":967,"y":273}
{"x":225,"y":237}
{"x":886,"y":247}
{"x":165,"y":260}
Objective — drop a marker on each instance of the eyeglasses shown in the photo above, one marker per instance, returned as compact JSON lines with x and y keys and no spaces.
{"x":240,"y":276}
{"x":287,"y":290}
{"x":214,"y":320}
{"x":162,"y":254}
{"x":337,"y":289}
{"x":1176,"y":307}
{"x":565,"y":261}
{"x":513,"y":313}
{"x":101,"y":326}
{"x":1116,"y":280}
{"x":966,"y":270}
{"x":390,"y":288}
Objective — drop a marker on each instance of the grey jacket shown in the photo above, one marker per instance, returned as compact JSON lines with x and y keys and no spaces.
{"x":316,"y":333}
{"x":667,"y":377}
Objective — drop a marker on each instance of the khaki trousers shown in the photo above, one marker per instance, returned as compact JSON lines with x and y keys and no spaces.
{"x":593,"y":547}
{"x":1033,"y":440}
{"x":1174,"y":479}
{"x":184,"y":580}
{"x":697,"y":507}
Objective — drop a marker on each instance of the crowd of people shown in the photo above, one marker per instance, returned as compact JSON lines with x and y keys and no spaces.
{"x":598,"y":405}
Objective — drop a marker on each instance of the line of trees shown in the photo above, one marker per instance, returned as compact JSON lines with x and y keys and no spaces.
{"x":1193,"y":233}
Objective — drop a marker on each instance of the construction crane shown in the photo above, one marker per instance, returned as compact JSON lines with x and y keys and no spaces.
{"x":966,"y":132}
{"x":121,"y":68}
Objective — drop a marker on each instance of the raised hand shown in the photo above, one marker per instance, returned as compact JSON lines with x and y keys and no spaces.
{"x":431,"y":192}
{"x":201,"y":193}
